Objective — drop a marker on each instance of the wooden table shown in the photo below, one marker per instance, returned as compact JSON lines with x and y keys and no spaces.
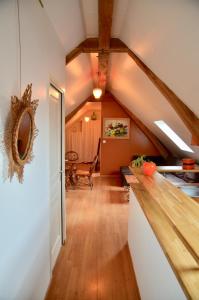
{"x":176,"y":169}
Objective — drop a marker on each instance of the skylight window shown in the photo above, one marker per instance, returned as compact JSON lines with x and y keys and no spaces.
{"x":173,"y":136}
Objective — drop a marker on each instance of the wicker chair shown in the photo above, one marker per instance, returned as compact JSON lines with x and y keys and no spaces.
{"x":71,"y":156}
{"x":87,"y":174}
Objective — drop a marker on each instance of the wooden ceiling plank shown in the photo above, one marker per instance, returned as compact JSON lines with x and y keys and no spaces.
{"x":154,"y":140}
{"x":188,"y":117}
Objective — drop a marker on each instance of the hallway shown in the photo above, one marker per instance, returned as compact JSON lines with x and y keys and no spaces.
{"x":95,"y":262}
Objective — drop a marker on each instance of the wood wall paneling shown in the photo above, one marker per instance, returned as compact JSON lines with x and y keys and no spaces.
{"x":119,"y":152}
{"x":154,"y":140}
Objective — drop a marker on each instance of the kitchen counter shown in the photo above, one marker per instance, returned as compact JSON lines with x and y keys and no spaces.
{"x":174,"y":219}
{"x":177,"y":169}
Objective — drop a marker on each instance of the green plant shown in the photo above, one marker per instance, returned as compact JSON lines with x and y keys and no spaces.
{"x":138,"y":162}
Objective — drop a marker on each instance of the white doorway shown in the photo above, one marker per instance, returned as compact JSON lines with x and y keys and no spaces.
{"x":57,"y":178}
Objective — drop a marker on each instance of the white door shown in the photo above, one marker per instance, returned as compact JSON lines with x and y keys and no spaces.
{"x":55,"y":174}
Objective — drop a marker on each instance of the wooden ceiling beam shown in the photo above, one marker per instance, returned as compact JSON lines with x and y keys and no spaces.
{"x":188,"y":117}
{"x":105,"y":13}
{"x":91,"y":45}
{"x":73,"y":54}
{"x":116,"y":45}
{"x":149,"y":134}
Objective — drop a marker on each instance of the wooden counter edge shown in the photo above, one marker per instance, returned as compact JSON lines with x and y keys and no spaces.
{"x":136,"y":188}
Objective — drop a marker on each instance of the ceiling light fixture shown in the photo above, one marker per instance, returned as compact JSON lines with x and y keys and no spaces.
{"x":86,"y":119}
{"x":97,"y":92}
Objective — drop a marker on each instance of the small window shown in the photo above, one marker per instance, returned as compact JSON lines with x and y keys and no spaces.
{"x":173,"y":136}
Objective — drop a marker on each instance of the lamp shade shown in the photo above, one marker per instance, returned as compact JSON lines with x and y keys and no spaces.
{"x":97,"y":92}
{"x":86,"y":119}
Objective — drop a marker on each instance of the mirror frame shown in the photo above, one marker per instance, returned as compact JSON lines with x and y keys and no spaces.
{"x":19,"y":107}
{"x":15,"y":149}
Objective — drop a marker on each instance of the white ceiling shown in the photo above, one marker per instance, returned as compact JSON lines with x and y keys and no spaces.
{"x":164,"y":34}
{"x":90,"y":17}
{"x":67,"y":20}
{"x":79,"y":82}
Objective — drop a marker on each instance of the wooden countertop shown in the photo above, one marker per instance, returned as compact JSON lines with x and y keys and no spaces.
{"x":174,"y":218}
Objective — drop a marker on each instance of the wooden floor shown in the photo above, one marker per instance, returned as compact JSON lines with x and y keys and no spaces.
{"x":95,"y":262}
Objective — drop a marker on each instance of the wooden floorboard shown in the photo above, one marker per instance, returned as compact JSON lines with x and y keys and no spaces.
{"x":95,"y":263}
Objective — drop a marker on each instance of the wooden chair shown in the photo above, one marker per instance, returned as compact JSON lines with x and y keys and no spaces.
{"x":67,"y":176}
{"x":71,"y":156}
{"x":70,"y":171}
{"x":87,"y":174}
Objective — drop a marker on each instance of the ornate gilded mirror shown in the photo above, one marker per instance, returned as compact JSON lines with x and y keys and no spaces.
{"x":22,"y":136}
{"x":21,"y":132}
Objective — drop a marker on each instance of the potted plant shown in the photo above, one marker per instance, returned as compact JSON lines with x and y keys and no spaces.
{"x":148,"y":167}
{"x":138,"y":162}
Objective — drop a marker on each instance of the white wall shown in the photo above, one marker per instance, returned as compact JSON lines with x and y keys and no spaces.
{"x":24,"y":208}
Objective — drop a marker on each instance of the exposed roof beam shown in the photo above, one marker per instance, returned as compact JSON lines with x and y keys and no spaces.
{"x":91,"y":45}
{"x":154,"y":140}
{"x":105,"y":13}
{"x":116,"y":45}
{"x":73,"y":54}
{"x":190,"y":120}
{"x":72,"y":113}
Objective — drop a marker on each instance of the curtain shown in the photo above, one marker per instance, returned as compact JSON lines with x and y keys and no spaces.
{"x":83,"y":138}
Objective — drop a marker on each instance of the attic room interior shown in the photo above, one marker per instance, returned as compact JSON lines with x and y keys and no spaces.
{"x":99,"y":150}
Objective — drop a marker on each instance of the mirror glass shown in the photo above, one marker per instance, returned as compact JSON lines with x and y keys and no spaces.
{"x":24,"y":135}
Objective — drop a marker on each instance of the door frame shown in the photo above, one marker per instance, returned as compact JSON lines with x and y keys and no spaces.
{"x":62,"y":154}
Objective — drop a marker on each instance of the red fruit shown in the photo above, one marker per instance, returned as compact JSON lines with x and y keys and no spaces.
{"x":149,"y":168}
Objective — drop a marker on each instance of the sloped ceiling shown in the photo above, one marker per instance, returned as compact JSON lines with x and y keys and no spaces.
{"x":67,"y":20}
{"x":164,"y":34}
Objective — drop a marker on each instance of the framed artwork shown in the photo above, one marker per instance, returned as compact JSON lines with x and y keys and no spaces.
{"x":116,"y":128}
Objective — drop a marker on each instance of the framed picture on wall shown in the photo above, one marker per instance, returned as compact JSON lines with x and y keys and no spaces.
{"x":116,"y":128}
